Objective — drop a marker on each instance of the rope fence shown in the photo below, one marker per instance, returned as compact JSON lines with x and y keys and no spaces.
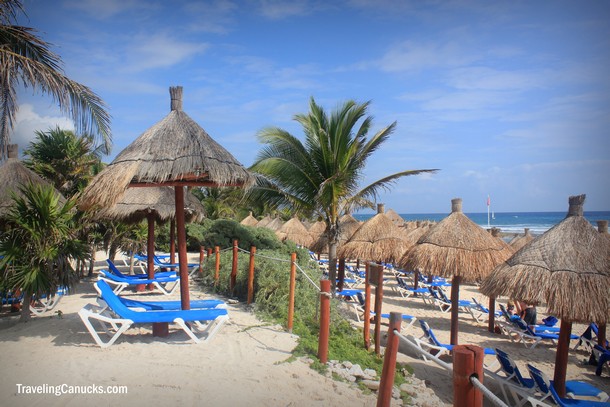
{"x":465,"y":367}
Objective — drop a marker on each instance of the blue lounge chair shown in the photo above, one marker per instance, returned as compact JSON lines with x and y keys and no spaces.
{"x":589,"y":337}
{"x":44,"y":303}
{"x":554,"y":337}
{"x":573,"y":389}
{"x":118,"y":317}
{"x":115,"y":270}
{"x":357,"y":298}
{"x":166,"y":285}
{"x":602,"y":355}
{"x":158,"y":305}
{"x":165,"y":265}
{"x":442,"y":347}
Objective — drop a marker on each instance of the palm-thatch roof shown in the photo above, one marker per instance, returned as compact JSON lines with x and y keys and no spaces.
{"x":567,"y":267}
{"x":317,"y":229}
{"x":456,"y":246}
{"x":395,"y":217}
{"x":174,"y":151}
{"x":13,"y":176}
{"x":264,"y":222}
{"x":249,"y":220}
{"x":137,"y":203}
{"x":377,"y":239}
{"x":602,"y":227}
{"x":295,"y":231}
{"x":275,"y":224}
{"x":520,"y":241}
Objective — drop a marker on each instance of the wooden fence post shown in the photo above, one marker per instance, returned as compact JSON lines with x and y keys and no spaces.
{"x":324,"y":321}
{"x":251,"y":275}
{"x":384,"y":396}
{"x":217,"y":270}
{"x":233,"y":268}
{"x":293,"y":276}
{"x":201,"y":257}
{"x":467,"y":361}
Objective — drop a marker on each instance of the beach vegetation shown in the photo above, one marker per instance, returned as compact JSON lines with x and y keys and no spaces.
{"x":27,"y":60}
{"x":271,"y":292}
{"x":40,"y":245}
{"x":321,"y":176}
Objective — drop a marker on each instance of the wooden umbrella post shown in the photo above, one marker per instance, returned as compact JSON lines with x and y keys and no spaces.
{"x":150,"y":218}
{"x":378,"y":302}
{"x":172,"y":241}
{"x":561,"y":357}
{"x":234,"y":267}
{"x":182,"y":258}
{"x":455,"y":299}
{"x":293,"y":277}
{"x":341,"y":274}
{"x":251,"y":275}
{"x":367,"y":307}
{"x":491,"y":322}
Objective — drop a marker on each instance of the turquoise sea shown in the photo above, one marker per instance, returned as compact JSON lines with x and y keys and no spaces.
{"x":510,"y":222}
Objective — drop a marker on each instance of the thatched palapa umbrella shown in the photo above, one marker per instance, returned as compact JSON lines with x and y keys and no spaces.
{"x":264,"y":222}
{"x":457,"y":247}
{"x":13,"y":176}
{"x":520,"y":241}
{"x":395,"y":217}
{"x":295,"y":231}
{"x":174,"y":152}
{"x":249,"y":220}
{"x":152,"y":204}
{"x":377,"y":239}
{"x":568,"y":268}
{"x":275,"y":224}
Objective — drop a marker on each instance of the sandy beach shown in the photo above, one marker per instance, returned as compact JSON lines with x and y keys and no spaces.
{"x":246,"y":363}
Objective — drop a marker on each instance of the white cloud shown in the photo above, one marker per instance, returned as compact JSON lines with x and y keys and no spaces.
{"x":278,"y":9}
{"x":159,"y":51}
{"x":412,"y":56}
{"x":28,"y":122}
{"x":108,"y":8}
{"x":212,"y":16}
{"x":485,"y":78}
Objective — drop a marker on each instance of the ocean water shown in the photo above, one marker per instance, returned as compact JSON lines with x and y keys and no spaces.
{"x":509,"y":222}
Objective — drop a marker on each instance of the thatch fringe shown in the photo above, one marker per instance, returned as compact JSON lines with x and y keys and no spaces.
{"x":568,"y":268}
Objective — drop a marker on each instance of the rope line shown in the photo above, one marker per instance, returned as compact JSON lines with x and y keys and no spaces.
{"x":305,"y":274}
{"x":486,"y":392}
{"x":447,"y":366}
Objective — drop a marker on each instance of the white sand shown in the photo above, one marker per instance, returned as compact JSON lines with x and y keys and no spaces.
{"x":243,"y":365}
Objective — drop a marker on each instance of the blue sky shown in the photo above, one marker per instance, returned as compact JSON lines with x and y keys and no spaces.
{"x":510,"y":99}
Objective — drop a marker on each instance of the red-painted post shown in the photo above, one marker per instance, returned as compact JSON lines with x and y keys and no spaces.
{"x":172,"y":241}
{"x":234,"y":267}
{"x":201,"y":258}
{"x":467,"y":361}
{"x":341,"y":274}
{"x":378,"y":302}
{"x":210,"y":251}
{"x":367,"y":308}
{"x":293,"y":281}
{"x":384,"y":396}
{"x":491,"y":322}
{"x":150,"y":218}
{"x":251,"y":275}
{"x":324,"y":321}
{"x":217,"y":268}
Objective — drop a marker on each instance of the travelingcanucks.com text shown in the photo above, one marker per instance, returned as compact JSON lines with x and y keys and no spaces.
{"x":61,"y":389}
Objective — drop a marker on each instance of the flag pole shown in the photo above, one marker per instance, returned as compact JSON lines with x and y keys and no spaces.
{"x":488,"y":225}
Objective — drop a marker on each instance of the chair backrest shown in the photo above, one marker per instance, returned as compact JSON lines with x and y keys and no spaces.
{"x":360,"y":298}
{"x":542,"y":382}
{"x":434,"y":293}
{"x":428,"y":333}
{"x":443,"y":296}
{"x":510,"y":367}
{"x":112,"y":299}
{"x":480,"y":306}
{"x":114,"y":269}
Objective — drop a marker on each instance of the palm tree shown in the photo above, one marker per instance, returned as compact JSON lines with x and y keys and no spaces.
{"x":39,"y":245}
{"x":322,"y":175}
{"x":26,"y":59}
{"x":63,"y":158}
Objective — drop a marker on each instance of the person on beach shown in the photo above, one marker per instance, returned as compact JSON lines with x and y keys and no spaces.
{"x":510,"y":307}
{"x":527,"y":312}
